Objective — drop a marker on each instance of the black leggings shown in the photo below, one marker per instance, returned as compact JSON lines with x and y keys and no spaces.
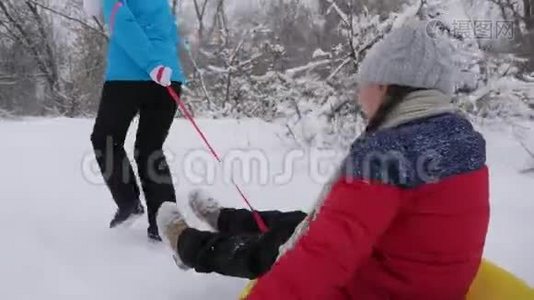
{"x":239,"y":249}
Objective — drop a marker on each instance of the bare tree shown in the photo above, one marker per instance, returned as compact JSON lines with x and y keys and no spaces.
{"x":53,"y":75}
{"x":24,"y":23}
{"x":200,"y":10}
{"x":98,"y":30}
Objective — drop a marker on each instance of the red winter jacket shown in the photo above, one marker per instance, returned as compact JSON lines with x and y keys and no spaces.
{"x":408,"y":222}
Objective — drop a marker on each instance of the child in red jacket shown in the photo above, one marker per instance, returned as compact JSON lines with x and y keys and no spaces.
{"x":405,"y":217}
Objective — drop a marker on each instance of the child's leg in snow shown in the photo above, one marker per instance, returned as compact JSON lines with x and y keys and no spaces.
{"x":235,"y":221}
{"x":239,"y":255}
{"x":241,"y":221}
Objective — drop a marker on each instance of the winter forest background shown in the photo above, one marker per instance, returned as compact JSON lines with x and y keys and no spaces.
{"x":289,"y":61}
{"x":273,"y":85}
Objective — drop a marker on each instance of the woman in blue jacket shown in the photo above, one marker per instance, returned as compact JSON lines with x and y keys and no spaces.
{"x":142,"y":61}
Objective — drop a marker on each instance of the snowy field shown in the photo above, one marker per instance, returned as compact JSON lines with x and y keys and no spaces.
{"x":55,"y":212}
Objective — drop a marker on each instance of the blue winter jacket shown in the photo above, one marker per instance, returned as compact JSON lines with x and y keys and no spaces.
{"x":144,"y":35}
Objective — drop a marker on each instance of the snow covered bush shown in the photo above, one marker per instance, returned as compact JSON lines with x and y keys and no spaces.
{"x":493,"y":83}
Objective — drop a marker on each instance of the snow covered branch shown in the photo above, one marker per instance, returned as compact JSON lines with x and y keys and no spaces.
{"x":99,"y":30}
{"x":7,"y":80}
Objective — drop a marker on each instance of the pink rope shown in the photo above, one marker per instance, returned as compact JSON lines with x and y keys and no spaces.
{"x":257,"y":217}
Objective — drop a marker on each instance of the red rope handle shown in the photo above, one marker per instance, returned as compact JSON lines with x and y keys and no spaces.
{"x":181,"y":105}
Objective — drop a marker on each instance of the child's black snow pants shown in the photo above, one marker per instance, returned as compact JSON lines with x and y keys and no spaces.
{"x":121,"y":102}
{"x":238,"y":249}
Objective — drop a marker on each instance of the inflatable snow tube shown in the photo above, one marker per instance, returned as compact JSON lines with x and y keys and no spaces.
{"x":495,"y":283}
{"x":247,"y":290}
{"x":491,"y":283}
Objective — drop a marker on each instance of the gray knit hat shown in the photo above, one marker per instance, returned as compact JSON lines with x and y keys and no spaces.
{"x":410,"y":56}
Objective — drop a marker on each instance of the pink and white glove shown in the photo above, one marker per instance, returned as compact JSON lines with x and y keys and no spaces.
{"x":162,"y":75}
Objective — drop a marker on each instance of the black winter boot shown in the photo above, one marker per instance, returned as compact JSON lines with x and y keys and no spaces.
{"x":153,"y":234}
{"x":127,"y":216}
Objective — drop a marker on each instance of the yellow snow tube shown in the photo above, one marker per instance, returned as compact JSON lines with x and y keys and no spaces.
{"x":495,"y":283}
{"x":247,"y":290}
{"x":491,"y":283}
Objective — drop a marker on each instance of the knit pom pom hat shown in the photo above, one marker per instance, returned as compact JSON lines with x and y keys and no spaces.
{"x":411,"y":56}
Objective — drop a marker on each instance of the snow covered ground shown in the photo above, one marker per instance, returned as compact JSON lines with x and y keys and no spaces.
{"x":54,"y":214}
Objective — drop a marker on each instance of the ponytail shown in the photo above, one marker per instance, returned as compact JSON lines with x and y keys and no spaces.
{"x":395,"y":94}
